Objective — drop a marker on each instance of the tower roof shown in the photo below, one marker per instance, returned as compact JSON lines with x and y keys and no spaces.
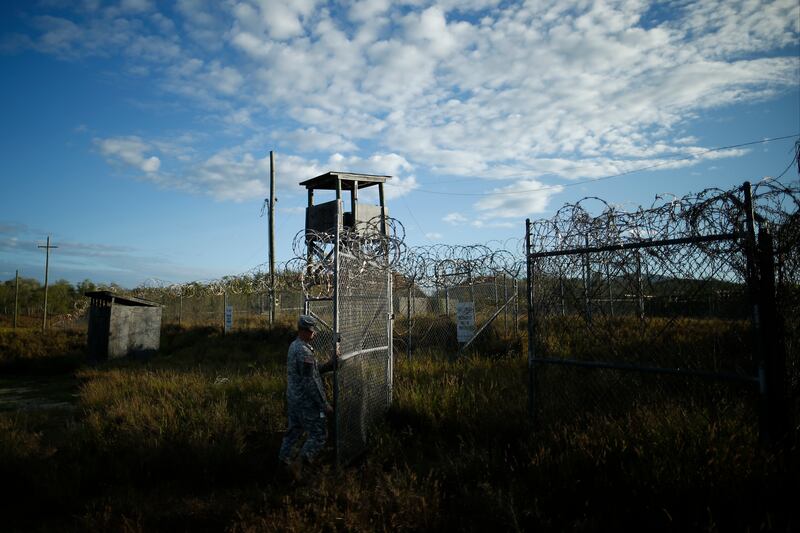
{"x":328,"y":181}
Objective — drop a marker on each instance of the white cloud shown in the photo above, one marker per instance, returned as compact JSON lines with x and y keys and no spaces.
{"x":454,"y":218}
{"x":131,"y":151}
{"x":136,"y":6}
{"x":226,"y":80}
{"x":279,"y":19}
{"x":434,"y":236}
{"x":569,"y":89}
{"x":366,"y":10}
{"x":520,"y":199}
{"x":312,"y":140}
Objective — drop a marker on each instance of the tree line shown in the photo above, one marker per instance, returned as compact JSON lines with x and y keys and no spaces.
{"x":62,"y":296}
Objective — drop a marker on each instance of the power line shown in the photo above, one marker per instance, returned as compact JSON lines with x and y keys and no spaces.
{"x":795,"y":159}
{"x":603,"y":178}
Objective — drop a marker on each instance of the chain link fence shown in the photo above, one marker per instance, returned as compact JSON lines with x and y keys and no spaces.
{"x":363,"y":375}
{"x":426,"y":317}
{"x":655,"y":310}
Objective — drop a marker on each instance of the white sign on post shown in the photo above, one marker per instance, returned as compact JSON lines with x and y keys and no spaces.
{"x":228,"y":318}
{"x":465,"y":321}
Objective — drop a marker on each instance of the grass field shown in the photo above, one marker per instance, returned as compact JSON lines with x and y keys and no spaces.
{"x":187,"y":441}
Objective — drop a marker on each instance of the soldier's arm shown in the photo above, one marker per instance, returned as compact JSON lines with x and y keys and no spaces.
{"x":324,"y":368}
{"x":313,"y":387}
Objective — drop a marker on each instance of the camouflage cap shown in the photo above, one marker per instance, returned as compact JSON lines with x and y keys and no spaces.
{"x":307,"y":322}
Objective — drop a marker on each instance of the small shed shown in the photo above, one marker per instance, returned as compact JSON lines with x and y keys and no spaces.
{"x":120,"y":326}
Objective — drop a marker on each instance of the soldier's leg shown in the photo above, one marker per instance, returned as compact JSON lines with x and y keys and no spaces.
{"x":317,"y":428}
{"x":291,"y":437}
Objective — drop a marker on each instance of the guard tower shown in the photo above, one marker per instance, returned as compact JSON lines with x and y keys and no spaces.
{"x":322,"y":217}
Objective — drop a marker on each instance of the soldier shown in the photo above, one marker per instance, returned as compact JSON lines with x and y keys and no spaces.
{"x":306,"y":404}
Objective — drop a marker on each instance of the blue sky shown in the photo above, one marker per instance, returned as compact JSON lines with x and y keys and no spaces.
{"x":137,"y":133}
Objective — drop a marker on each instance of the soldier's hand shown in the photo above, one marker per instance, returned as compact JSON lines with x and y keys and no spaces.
{"x":328,"y":410}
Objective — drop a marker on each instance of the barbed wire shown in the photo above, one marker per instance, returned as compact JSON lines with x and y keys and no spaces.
{"x":590,"y":221}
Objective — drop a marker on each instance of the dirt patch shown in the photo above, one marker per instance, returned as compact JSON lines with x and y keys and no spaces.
{"x":26,"y":393}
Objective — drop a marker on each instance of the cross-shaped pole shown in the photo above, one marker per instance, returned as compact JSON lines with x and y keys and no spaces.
{"x":47,"y":248}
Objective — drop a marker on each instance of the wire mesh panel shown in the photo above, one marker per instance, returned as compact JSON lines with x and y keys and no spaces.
{"x":425,"y":316}
{"x":323,"y":341}
{"x":641,"y":311}
{"x":363,"y":377}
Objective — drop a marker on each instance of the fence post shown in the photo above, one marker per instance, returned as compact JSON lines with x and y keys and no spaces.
{"x":408,"y":316}
{"x":471,"y":289}
{"x":516,"y":307}
{"x":505,"y":311}
{"x":586,"y":282}
{"x":610,"y":290}
{"x":774,"y":348}
{"x":16,"y":298}
{"x":751,"y":252}
{"x":529,"y":299}
{"x":561,"y":286}
{"x":639,"y":289}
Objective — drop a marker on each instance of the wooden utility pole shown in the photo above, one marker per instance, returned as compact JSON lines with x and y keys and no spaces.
{"x":16,"y":297}
{"x":47,"y":248}
{"x":271,"y":238}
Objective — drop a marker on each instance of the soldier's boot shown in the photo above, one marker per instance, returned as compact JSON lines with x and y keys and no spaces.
{"x":293,"y":470}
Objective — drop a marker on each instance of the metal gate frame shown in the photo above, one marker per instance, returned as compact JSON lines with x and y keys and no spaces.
{"x":760,"y":283}
{"x":344,"y":455}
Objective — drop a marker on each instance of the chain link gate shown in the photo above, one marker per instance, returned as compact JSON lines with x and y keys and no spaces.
{"x":355,"y":330}
{"x":364,"y":367}
{"x":655,"y":310}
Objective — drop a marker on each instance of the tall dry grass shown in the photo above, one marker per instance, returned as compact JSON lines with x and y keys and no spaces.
{"x":188,"y":441}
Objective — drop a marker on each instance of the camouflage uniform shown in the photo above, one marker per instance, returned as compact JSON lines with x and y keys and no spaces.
{"x":305,"y":402}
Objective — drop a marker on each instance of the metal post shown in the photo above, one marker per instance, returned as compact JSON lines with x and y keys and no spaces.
{"x":335,"y":325}
{"x":309,"y":243}
{"x":180,"y":309}
{"x":774,"y":348}
{"x":446,"y":301}
{"x":639,"y":288}
{"x":610,"y":290}
{"x":471,"y":289}
{"x":531,"y":340}
{"x":408,"y":316}
{"x":271,"y":238}
{"x":16,"y":298}
{"x":46,"y":273}
{"x":390,"y":336}
{"x":755,"y":314}
{"x":505,"y":309}
{"x":587,"y":282}
{"x":516,"y":306}
{"x":383,"y":208}
{"x":354,"y":205}
{"x":561,"y":290}
{"x":224,"y":308}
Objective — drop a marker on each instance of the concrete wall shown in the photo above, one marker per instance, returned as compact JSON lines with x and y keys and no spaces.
{"x":134,"y":330}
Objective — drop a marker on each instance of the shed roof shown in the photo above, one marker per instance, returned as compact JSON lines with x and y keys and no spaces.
{"x":328,"y":180}
{"x":108,"y":296}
